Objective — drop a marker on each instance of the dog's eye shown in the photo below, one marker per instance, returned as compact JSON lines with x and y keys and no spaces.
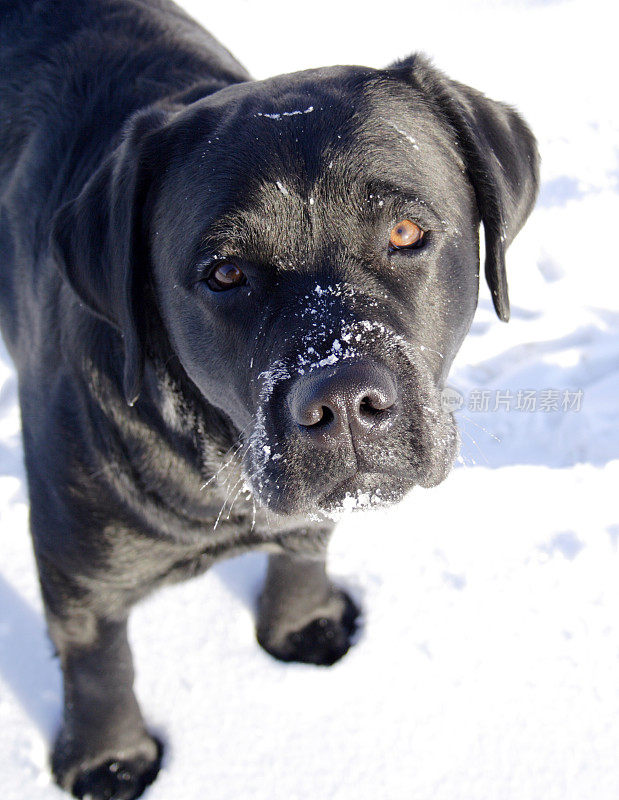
{"x":225,"y":276}
{"x":405,"y":234}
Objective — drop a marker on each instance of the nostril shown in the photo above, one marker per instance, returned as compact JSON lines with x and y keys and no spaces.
{"x":312,"y":415}
{"x":375,"y":404}
{"x":366,"y":409}
{"x":327,"y":416}
{"x":320,"y":417}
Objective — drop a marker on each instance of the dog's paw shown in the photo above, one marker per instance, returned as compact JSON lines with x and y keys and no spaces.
{"x":122,"y":778}
{"x":322,"y":641}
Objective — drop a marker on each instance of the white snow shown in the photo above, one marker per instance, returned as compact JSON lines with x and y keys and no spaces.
{"x":259,"y":450}
{"x":284,"y":113}
{"x":403,"y":133}
{"x":488,"y":666}
{"x":282,"y":188}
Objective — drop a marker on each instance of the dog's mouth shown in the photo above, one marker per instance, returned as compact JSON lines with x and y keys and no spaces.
{"x":362,"y":492}
{"x":289,"y":483}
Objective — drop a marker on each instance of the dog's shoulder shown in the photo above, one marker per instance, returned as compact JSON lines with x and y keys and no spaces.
{"x":71,"y":74}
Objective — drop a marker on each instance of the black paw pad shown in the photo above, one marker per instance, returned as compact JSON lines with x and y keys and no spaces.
{"x":118,"y":780}
{"x":323,"y":641}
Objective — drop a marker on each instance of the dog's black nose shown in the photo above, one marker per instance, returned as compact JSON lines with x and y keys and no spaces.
{"x":356,"y":397}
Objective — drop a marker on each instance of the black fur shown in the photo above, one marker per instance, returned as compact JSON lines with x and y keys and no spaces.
{"x":135,"y":155}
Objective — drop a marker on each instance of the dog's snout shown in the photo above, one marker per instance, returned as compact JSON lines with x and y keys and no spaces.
{"x":357,"y":399}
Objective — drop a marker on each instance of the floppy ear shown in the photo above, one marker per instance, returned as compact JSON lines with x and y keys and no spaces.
{"x":97,"y":245}
{"x":501,"y":159}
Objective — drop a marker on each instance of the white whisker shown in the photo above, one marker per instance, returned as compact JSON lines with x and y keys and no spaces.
{"x":481,"y":427}
{"x":466,"y":433}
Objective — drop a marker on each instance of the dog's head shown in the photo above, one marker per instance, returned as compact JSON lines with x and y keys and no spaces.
{"x":312,"y":242}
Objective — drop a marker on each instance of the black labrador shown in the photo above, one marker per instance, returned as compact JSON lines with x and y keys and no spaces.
{"x":232,"y":306}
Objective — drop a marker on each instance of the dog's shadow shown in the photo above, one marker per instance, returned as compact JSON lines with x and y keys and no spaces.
{"x":27,"y":665}
{"x":243,"y":576}
{"x":28,"y":668}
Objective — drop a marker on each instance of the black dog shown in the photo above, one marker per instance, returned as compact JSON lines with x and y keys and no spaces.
{"x":232,"y":306}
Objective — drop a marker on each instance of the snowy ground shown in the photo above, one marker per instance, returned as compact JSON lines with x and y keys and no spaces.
{"x":488,"y":667}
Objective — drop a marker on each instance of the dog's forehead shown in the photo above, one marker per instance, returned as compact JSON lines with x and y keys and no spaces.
{"x":283,"y":95}
{"x":299,"y":123}
{"x":280,"y":164}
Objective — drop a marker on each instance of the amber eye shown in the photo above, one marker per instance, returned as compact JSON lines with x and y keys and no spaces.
{"x":225,"y":276}
{"x":405,"y":234}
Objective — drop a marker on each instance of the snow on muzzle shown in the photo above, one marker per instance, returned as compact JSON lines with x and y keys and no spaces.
{"x":347,"y":422}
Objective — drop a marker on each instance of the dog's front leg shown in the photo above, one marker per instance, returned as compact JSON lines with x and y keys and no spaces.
{"x":302,"y":615}
{"x":103,"y":750}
